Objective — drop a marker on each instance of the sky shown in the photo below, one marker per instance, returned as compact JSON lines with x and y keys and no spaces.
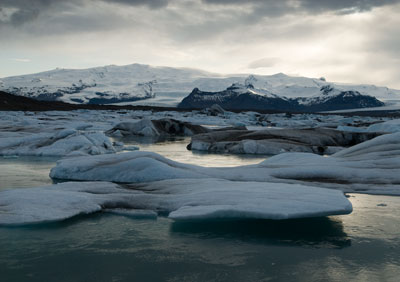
{"x":352,"y":41}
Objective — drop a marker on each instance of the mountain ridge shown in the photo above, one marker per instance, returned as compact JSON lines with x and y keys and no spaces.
{"x":240,"y":96}
{"x":139,"y":84}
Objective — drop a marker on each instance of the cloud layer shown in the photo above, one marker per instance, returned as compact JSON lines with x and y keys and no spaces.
{"x":350,"y":41}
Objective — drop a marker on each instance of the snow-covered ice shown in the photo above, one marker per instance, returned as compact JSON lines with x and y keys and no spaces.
{"x":288,"y":185}
{"x":372,"y":166}
{"x":387,"y":126}
{"x":56,"y":202}
{"x":59,"y":143}
{"x":142,"y":127}
{"x":182,"y":199}
{"x":221,"y":199}
{"x":276,"y":141}
{"x":154,"y":128}
{"x":129,"y":167}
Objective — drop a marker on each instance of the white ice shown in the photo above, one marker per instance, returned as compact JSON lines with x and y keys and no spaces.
{"x":182,"y":199}
{"x":372,"y":166}
{"x":56,"y":202}
{"x":143,"y":127}
{"x":387,"y":126}
{"x":59,"y":143}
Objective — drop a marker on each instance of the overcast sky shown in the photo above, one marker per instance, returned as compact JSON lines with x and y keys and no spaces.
{"x":345,"y":40}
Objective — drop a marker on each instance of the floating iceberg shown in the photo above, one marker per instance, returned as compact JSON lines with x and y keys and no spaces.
{"x":182,"y":199}
{"x":131,"y":167}
{"x":221,"y":199}
{"x":276,"y":141}
{"x":60,"y":143}
{"x":370,"y":167}
{"x":154,"y":128}
{"x":56,"y":202}
{"x":386,"y":126}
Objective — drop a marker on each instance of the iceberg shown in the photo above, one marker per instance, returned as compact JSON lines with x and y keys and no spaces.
{"x":59,"y":143}
{"x":389,"y":126}
{"x":181,"y":199}
{"x":56,"y":202}
{"x":369,"y":167}
{"x":276,"y":141}
{"x":155,"y":128}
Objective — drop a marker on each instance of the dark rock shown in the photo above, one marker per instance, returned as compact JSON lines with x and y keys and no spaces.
{"x":239,"y":97}
{"x":274,"y":141}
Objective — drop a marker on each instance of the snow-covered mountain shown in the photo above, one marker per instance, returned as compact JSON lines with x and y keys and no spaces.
{"x":165,"y":86}
{"x":239,"y":96}
{"x":109,"y":84}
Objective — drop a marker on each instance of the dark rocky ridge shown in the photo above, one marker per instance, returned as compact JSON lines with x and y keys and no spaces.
{"x":10,"y":102}
{"x":232,"y":99}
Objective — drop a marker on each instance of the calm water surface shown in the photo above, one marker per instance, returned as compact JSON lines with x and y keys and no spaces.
{"x":363,"y":246}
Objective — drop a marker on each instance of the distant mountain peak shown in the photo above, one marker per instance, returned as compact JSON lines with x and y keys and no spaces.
{"x":239,"y":96}
{"x":167,"y":86}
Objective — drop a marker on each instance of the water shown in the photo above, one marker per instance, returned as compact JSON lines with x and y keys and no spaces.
{"x":21,"y":172}
{"x":362,"y":246}
{"x":175,"y":149}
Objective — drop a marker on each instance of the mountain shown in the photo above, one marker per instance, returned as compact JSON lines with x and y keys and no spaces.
{"x":294,"y":87}
{"x":162,"y":86}
{"x":240,"y":96}
{"x":109,"y":84}
{"x":10,"y":102}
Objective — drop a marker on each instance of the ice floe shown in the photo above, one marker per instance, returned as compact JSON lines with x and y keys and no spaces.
{"x":56,"y":202}
{"x":370,"y":167}
{"x":181,"y":199}
{"x":276,"y":141}
{"x":387,"y":126}
{"x":131,"y":167}
{"x":221,"y":199}
{"x":59,"y":143}
{"x":154,"y":128}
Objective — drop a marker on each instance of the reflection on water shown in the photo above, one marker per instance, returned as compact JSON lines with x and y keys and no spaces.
{"x":175,"y":148}
{"x":21,"y":172}
{"x":314,"y":232}
{"x":107,"y":247}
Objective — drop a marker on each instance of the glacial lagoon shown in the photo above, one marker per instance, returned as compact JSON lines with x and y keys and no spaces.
{"x":362,"y":246}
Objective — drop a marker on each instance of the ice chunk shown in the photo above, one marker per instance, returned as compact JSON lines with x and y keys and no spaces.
{"x":154,"y":128}
{"x":59,"y":143}
{"x":182,"y":199}
{"x":56,"y":202}
{"x":221,"y":199}
{"x":275,"y":141}
{"x":126,"y":167}
{"x":372,"y":166}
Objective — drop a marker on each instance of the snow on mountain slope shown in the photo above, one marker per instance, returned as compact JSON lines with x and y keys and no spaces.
{"x":165,"y":86}
{"x":104,"y":85}
{"x":295,"y":87}
{"x":240,"y":96}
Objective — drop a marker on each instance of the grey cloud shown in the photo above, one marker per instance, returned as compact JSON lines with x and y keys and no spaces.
{"x":149,"y":3}
{"x":29,"y":10}
{"x":254,"y":11}
{"x":263,"y":63}
{"x":283,"y":7}
{"x":344,"y":5}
